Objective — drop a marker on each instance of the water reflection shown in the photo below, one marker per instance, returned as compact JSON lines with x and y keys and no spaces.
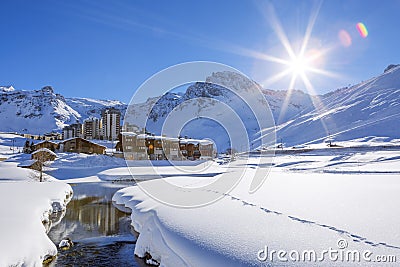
{"x":101,"y":233}
{"x":95,"y":215}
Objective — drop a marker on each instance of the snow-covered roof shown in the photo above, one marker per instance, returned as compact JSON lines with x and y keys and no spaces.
{"x":206,"y":142}
{"x":195,"y":141}
{"x":129,"y":133}
{"x":27,"y":163}
{"x":72,"y":138}
{"x":142,"y":136}
{"x":44,"y":150}
{"x":171,"y":139}
{"x":45,"y":141}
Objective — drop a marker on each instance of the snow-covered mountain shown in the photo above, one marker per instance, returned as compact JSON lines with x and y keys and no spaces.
{"x":369,"y":110}
{"x":296,"y":103}
{"x":42,"y":111}
{"x":215,"y":87}
{"x":88,"y":107}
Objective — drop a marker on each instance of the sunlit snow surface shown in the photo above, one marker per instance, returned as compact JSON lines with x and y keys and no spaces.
{"x":24,"y":205}
{"x":310,"y":201}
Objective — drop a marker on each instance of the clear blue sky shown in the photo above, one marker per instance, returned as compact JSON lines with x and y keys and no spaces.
{"x":106,"y":49}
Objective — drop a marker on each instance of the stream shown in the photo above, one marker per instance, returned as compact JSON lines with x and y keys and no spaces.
{"x":101,"y":234}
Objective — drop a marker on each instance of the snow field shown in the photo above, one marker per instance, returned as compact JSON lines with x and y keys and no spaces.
{"x":25,"y":205}
{"x":293,"y":210}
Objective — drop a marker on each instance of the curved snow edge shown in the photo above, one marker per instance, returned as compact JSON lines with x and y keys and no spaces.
{"x":27,"y":242}
{"x":152,"y":235}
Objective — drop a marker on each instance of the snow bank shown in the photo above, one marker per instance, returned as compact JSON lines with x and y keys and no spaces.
{"x":292,"y":211}
{"x":8,"y":142}
{"x":75,"y":160}
{"x":24,"y":206}
{"x":10,"y":171}
{"x":73,"y":167}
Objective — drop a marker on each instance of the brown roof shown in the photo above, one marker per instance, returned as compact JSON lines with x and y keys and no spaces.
{"x":76,"y":138}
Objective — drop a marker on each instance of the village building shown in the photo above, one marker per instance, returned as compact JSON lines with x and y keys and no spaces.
{"x":52,"y":136}
{"x":111,"y":123}
{"x":171,"y":148}
{"x":43,"y":155}
{"x":38,"y":159}
{"x":80,"y":145}
{"x":207,"y":149}
{"x":26,"y":135}
{"x":36,"y":137}
{"x":145,"y":146}
{"x":30,"y":164}
{"x":46,"y":144}
{"x":133,"y":145}
{"x":91,"y":128}
{"x":72,"y":131}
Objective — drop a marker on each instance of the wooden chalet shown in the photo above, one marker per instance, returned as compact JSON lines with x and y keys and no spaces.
{"x":46,"y":144}
{"x":80,"y":145}
{"x":43,"y":155}
{"x":144,"y":146}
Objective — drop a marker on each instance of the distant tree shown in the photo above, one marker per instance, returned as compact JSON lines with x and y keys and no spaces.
{"x":27,"y":147}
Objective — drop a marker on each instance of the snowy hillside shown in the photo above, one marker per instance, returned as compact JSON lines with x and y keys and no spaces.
{"x":87,"y":107}
{"x":297,"y":102}
{"x":42,"y":111}
{"x":215,"y":87}
{"x":368,"y":110}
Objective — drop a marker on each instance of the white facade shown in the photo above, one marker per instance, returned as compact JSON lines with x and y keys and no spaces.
{"x":111,"y":121}
{"x":91,"y":128}
{"x":71,"y":131}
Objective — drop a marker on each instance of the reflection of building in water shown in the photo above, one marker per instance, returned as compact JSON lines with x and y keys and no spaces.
{"x":145,"y":146}
{"x":101,"y":217}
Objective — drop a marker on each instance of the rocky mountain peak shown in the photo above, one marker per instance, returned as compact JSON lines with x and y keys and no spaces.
{"x":7,"y":88}
{"x":391,"y":66}
{"x":41,"y":111}
{"x":47,"y":89}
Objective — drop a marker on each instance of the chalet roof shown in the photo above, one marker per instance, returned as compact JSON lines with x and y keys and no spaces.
{"x":44,"y":150}
{"x":171,"y":139}
{"x":142,"y":136}
{"x":206,"y":142}
{"x":158,"y":137}
{"x":84,"y":140}
{"x":129,"y":133}
{"x":27,"y":163}
{"x":45,"y":141}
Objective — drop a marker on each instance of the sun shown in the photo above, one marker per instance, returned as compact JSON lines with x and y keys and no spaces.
{"x":299,"y":65}
{"x":305,"y":59}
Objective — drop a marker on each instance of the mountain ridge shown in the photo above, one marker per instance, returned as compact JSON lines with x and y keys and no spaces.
{"x":369,"y":108}
{"x":41,"y":111}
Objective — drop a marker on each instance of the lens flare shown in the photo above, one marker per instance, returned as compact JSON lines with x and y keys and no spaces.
{"x":362,"y":29}
{"x":345,"y":38}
